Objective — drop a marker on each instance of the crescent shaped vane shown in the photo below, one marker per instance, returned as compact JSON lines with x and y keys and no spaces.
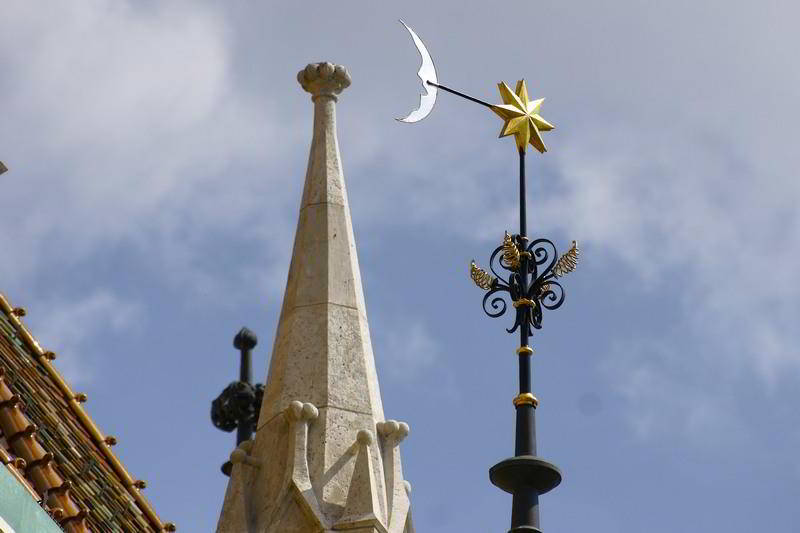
{"x":427,"y":73}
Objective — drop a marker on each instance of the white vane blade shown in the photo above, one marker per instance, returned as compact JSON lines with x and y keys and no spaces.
{"x":427,"y":73}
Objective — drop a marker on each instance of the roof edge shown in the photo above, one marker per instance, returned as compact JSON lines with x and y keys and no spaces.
{"x":13,"y":468}
{"x":85,"y":419}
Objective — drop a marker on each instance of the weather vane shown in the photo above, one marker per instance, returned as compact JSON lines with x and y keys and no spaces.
{"x":530,"y":273}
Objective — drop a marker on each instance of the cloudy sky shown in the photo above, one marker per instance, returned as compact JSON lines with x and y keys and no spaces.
{"x":157,"y":152}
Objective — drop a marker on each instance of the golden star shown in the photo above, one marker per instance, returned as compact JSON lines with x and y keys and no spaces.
{"x":521,"y":117}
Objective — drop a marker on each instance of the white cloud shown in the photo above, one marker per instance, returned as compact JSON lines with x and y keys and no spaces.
{"x":408,"y":354}
{"x":410,"y":350}
{"x":119,"y":121}
{"x":667,"y":391}
{"x":710,"y":245}
{"x":713,"y":243}
{"x":69,"y":328}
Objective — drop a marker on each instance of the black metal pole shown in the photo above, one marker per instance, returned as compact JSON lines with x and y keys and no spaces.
{"x":458,"y":93}
{"x":244,"y":341}
{"x":525,"y":503}
{"x":524,"y":359}
{"x":525,"y":476}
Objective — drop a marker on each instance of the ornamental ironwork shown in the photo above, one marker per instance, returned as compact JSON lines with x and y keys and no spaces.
{"x":542,"y":267}
{"x":237,"y":407}
{"x":239,"y":404}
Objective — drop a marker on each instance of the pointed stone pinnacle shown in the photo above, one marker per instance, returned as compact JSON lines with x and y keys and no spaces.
{"x":320,"y":463}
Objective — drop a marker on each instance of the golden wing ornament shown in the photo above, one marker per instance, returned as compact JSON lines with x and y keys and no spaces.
{"x":482,"y":279}
{"x":567,"y":262}
{"x":510,"y":252}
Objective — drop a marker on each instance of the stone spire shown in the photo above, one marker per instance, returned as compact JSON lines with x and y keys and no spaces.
{"x":323,"y":458}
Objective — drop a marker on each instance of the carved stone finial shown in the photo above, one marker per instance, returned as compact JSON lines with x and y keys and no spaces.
{"x":324,"y":79}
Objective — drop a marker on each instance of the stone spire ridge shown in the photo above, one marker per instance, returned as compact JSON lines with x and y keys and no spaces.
{"x":323,"y":457}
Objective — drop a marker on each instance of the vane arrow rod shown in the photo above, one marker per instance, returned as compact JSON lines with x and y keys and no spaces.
{"x":458,"y":93}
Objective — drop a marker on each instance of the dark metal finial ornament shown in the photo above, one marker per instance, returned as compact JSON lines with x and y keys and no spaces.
{"x":526,"y":272}
{"x":238,"y":405}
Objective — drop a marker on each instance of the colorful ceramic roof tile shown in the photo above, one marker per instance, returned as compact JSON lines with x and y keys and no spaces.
{"x":54,"y":448}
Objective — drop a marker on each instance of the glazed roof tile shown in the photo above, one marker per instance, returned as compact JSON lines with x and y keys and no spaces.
{"x":81,"y":454}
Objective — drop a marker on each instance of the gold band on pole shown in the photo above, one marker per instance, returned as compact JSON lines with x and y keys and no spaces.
{"x":526,"y":398}
{"x":523,"y":301}
{"x":525,"y":350}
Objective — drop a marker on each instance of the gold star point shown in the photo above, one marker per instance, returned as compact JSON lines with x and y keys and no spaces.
{"x":521,"y":116}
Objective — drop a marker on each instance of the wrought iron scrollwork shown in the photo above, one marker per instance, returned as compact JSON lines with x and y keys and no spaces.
{"x":543,"y":265}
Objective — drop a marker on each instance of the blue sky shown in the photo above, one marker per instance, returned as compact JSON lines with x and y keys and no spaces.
{"x":157,"y":152}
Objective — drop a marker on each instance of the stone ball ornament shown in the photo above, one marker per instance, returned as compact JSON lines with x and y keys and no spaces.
{"x":365,"y":437}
